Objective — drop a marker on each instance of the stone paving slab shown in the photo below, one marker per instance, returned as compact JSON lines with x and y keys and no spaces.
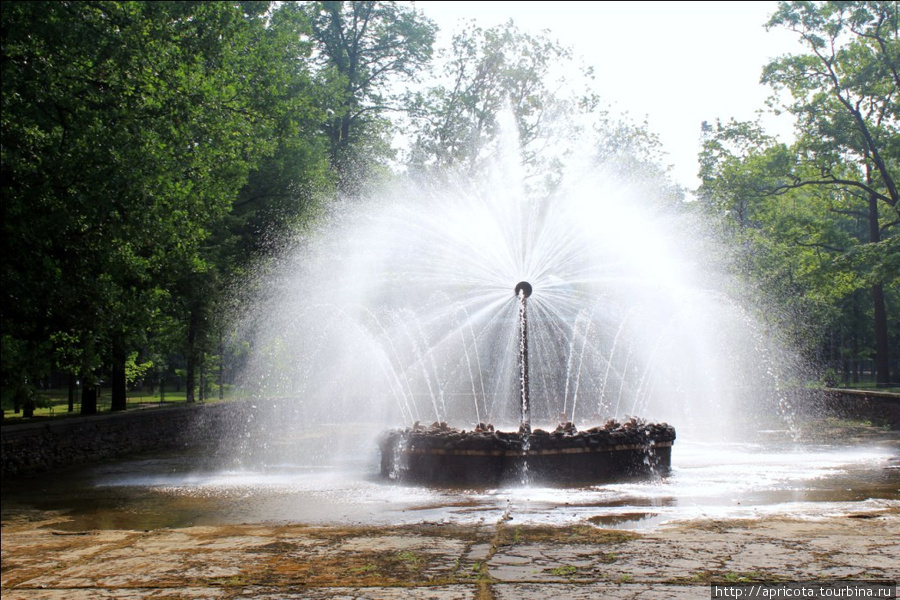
{"x":594,"y":591}
{"x":454,"y":592}
{"x":41,"y":560}
{"x":597,"y":591}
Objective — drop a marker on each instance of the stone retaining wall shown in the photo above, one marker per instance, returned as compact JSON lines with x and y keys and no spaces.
{"x":31,"y":448}
{"x":881,"y":408}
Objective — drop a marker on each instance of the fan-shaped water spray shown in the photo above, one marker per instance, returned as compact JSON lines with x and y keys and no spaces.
{"x":398,"y":310}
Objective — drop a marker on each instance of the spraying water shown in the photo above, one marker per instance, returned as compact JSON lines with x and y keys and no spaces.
{"x":399,"y":311}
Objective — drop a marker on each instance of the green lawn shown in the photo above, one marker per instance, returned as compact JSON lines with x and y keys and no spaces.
{"x":55,"y":403}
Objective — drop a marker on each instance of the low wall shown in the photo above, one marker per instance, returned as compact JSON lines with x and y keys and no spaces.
{"x":31,"y":448}
{"x":881,"y":408}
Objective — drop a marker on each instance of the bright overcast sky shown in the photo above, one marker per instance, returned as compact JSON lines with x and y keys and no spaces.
{"x":675,"y":63}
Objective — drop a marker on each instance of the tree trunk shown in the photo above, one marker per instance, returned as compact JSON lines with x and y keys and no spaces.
{"x":882,"y":358}
{"x":119,"y":399}
{"x":89,"y":397}
{"x":882,"y":354}
{"x":190,"y":380}
{"x":72,"y":385}
{"x":221,"y":367}
{"x":28,"y":403}
{"x":191,"y":376}
{"x":202,"y":388}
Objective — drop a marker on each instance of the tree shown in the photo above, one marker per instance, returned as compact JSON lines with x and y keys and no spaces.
{"x":819,"y":218}
{"x":364,"y":48}
{"x":531,"y":86}
{"x":282,"y":191}
{"x":800,"y":247}
{"x":128,"y":130}
{"x":845,"y":95}
{"x":455,"y":124}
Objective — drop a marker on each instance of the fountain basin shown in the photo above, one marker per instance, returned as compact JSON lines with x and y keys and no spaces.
{"x":442,"y":455}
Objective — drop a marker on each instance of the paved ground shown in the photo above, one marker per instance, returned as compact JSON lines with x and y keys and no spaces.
{"x":500,"y":561}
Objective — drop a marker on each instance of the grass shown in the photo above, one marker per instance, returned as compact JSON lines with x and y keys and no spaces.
{"x":564,"y":571}
{"x":233,"y":581}
{"x":410,"y":558}
{"x":732,"y":577}
{"x":609,"y":557}
{"x":366,"y":568}
{"x":867,"y":386}
{"x":576,"y":533}
{"x":54,"y":403}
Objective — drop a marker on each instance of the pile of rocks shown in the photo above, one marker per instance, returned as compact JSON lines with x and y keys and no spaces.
{"x":486,"y":438}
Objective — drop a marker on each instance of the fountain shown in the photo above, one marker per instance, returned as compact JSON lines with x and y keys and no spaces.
{"x":397,"y":316}
{"x":442,"y":455}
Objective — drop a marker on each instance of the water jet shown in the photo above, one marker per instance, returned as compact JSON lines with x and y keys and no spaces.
{"x":523,"y":291}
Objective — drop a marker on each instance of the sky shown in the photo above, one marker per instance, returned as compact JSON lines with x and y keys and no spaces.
{"x":675,"y":64}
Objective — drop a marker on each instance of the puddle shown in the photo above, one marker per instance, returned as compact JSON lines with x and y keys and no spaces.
{"x":625,"y":520}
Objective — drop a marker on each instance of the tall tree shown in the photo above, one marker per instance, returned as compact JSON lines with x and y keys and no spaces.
{"x":128,"y":130}
{"x":845,"y":95}
{"x":282,"y":191}
{"x":819,"y":217}
{"x":365,"y":48}
{"x":805,"y":247}
{"x":484,"y":73}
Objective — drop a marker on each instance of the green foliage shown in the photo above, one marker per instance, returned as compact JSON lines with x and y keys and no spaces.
{"x":144,"y":147}
{"x":455,"y":123}
{"x":134,"y":371}
{"x":843,"y":93}
{"x":363,"y":49}
{"x":489,"y":76}
{"x":815,"y":223}
{"x":564,"y":571}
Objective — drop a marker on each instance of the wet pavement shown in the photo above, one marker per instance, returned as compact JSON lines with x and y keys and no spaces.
{"x":722,"y":481}
{"x":162,"y":528}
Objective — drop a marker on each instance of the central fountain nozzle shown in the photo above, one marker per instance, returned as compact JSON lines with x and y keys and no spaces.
{"x":523,"y":290}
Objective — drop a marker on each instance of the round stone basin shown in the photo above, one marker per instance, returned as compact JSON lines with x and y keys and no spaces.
{"x":442,"y":455}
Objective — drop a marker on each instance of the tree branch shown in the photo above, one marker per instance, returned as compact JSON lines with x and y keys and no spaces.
{"x":820,"y":246}
{"x":785,"y":187}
